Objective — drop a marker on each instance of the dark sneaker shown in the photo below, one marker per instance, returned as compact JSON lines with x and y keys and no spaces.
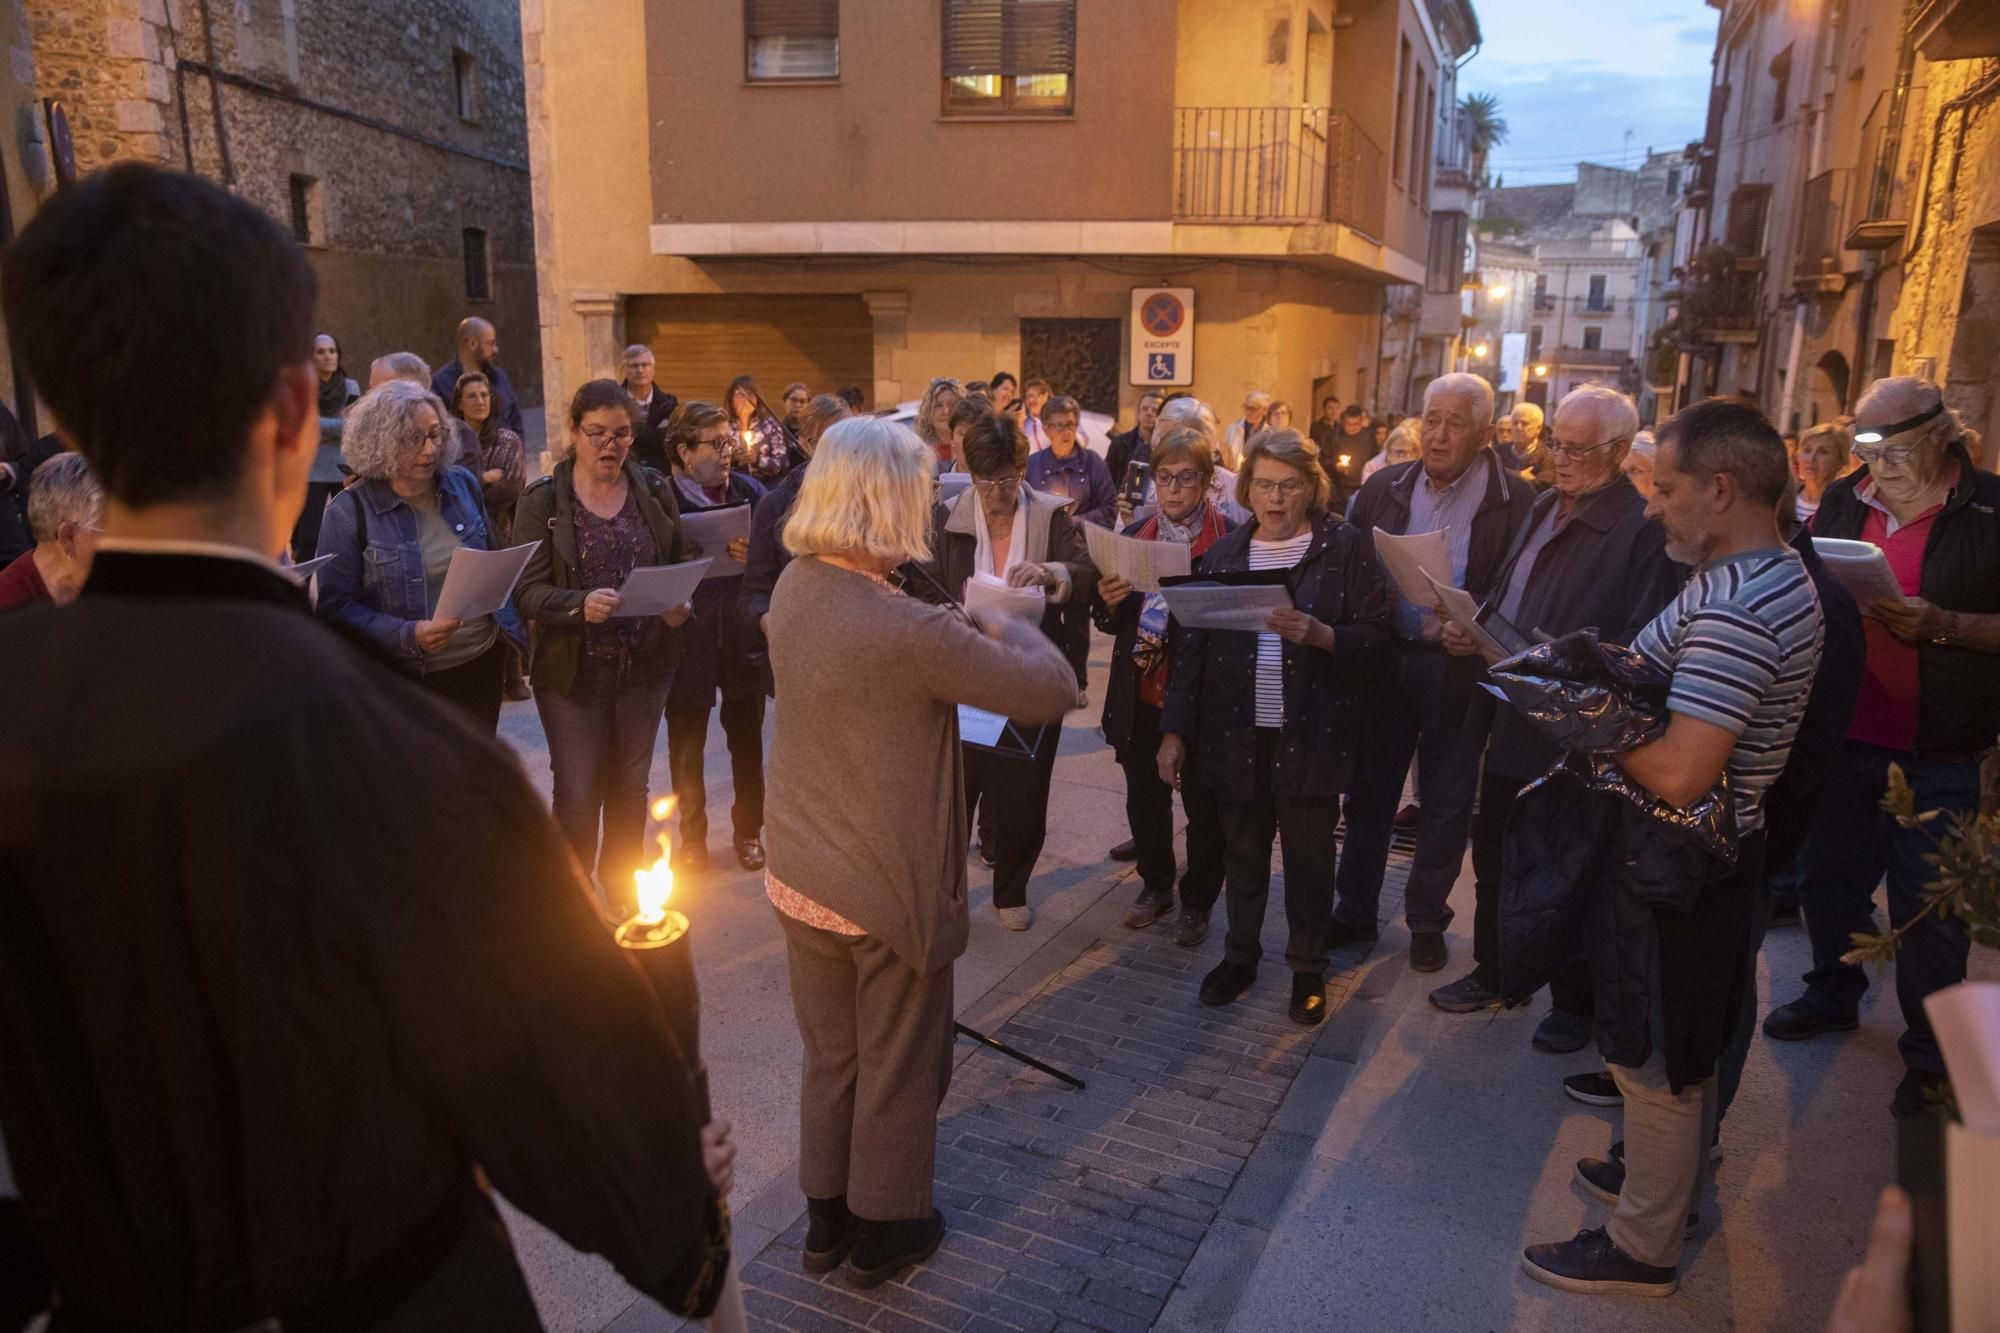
{"x":1606,"y":1180}
{"x":1406,"y":819}
{"x":1714,"y":1149}
{"x":750,"y":853}
{"x":884,"y":1249}
{"x":1802,"y":1019}
{"x":1467,"y":995}
{"x":1150,"y":907}
{"x":1784,"y":912}
{"x":829,"y":1234}
{"x":1308,"y":999}
{"x":1191,"y":929}
{"x":1343,"y":934}
{"x":1561,"y":1033}
{"x":1920,"y":1093}
{"x":1427,"y":951}
{"x":1127,"y":850}
{"x":1226,"y":983}
{"x":1597,"y":1088}
{"x":986,"y":853}
{"x":1592,"y":1266}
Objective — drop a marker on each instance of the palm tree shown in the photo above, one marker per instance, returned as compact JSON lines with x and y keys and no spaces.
{"x":1485,"y":128}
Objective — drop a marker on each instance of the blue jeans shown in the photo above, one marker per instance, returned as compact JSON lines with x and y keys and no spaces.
{"x":1852,"y":844}
{"x":601,"y":733}
{"x":1424,"y":710}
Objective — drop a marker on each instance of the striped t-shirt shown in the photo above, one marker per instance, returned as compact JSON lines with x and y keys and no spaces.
{"x":1270,"y":647}
{"x":1742,"y":642}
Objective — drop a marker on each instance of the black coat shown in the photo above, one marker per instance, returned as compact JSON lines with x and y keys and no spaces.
{"x":1958,"y":711}
{"x":1121,"y":686}
{"x":1384,"y":502}
{"x":768,"y":558}
{"x":1790,"y":800}
{"x":1212,"y":693}
{"x":1124,"y":448}
{"x":714,"y":652}
{"x":649,"y":440}
{"x":1606,"y":570}
{"x":1052,"y":537}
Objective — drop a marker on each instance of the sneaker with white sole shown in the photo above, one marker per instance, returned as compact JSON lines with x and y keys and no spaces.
{"x":1596,"y":1088}
{"x":1015,"y":918}
{"x":1592,"y":1265}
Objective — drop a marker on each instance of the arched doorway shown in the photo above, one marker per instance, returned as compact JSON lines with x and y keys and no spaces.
{"x":1828,"y":398}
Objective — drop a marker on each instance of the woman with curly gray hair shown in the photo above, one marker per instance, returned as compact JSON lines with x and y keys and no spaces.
{"x":392,"y":536}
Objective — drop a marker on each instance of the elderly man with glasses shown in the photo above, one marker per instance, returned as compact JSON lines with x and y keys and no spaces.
{"x":1929,"y":704}
{"x":1586,"y":556}
{"x":1456,"y":487}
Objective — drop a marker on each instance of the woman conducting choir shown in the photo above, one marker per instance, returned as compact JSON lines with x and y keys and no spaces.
{"x":866,"y":833}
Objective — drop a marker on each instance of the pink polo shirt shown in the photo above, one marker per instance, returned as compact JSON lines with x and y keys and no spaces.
{"x":1885,"y":714}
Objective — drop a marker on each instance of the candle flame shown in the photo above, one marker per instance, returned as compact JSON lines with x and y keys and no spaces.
{"x":655,"y":883}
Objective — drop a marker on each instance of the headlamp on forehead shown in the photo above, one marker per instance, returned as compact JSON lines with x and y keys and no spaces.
{"x":1877,"y":434}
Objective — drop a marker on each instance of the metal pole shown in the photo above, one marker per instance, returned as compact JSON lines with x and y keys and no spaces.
{"x":1022,"y":1056}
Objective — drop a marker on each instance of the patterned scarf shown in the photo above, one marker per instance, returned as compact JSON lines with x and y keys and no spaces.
{"x":1149,"y":650}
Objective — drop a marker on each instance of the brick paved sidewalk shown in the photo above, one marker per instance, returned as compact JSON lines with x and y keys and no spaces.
{"x":1068,"y":1209}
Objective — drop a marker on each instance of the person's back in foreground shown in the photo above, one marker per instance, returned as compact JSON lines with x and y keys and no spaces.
{"x":289,"y":953}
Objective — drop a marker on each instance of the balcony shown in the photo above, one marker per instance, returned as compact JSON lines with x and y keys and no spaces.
{"x":1729,"y":309}
{"x":1544,"y":303}
{"x":1454,"y":162}
{"x":1878,"y":206}
{"x":1956,"y":29}
{"x":1588,"y":356}
{"x":1277,"y":165}
{"x":1592,"y":305}
{"x":1817,"y":269}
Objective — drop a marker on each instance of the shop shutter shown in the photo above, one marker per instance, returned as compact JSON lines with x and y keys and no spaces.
{"x":703,"y":342}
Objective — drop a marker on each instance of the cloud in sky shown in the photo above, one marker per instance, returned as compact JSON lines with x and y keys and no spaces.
{"x":1573,"y":76}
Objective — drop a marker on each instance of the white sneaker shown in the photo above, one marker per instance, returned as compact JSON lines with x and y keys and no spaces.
{"x":1015,"y":918}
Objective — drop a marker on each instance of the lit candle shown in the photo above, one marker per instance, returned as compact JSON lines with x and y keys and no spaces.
{"x":658,"y":936}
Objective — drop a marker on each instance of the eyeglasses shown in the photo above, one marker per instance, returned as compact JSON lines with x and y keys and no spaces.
{"x":1893,"y":457}
{"x":600,"y":440}
{"x":1059,"y":426}
{"x":998,"y":485}
{"x":1877,"y":434}
{"x":435,"y":435}
{"x":1177,"y":481}
{"x":1568,"y":450}
{"x":1290,"y":490}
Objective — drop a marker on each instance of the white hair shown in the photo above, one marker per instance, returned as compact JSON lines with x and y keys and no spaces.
{"x":1900,"y":397}
{"x":1644,"y":445}
{"x":1611,"y":409}
{"x":383,"y":423}
{"x":1529,"y":411}
{"x":1188,"y":412}
{"x":63,"y":490}
{"x":635,"y":349}
{"x":869,"y":489}
{"x":1464,"y":383}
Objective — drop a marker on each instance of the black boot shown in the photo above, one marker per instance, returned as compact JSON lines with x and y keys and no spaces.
{"x":829,"y":1234}
{"x":884,"y":1249}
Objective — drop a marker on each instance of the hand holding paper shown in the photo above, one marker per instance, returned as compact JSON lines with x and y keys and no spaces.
{"x":478,"y":583}
{"x":1140,"y":563}
{"x":987,"y":597}
{"x":1417,"y":563}
{"x":1861,"y":568}
{"x":1246,"y":607}
{"x":652,"y":589}
{"x":715,"y":534}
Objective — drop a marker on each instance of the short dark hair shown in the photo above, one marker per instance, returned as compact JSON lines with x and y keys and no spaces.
{"x":1062,"y":405}
{"x":1729,"y":435}
{"x":970,"y":408}
{"x":1354,"y":410}
{"x":597,"y":394}
{"x":1158,"y":395}
{"x":1003,"y":377}
{"x":853,"y":397}
{"x":1036,"y":383}
{"x":687,"y":422}
{"x":995,"y":445}
{"x":194,"y":297}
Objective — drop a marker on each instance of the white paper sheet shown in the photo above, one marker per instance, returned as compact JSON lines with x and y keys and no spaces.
{"x":951,"y":485}
{"x":651,"y":589}
{"x":1140,"y":563}
{"x":712,"y":530}
{"x":304,"y":571}
{"x":1413,"y":562}
{"x":1225,"y":606}
{"x":1861,"y":568}
{"x":986,"y":596}
{"x":980,"y":727}
{"x":478,"y":583}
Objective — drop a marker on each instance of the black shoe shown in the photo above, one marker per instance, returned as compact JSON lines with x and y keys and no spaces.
{"x":1427,"y":951}
{"x":1191,"y":929}
{"x":1561,"y":1033}
{"x":1343,"y":934}
{"x":1785,"y":913}
{"x":986,"y":853}
{"x":1594,"y":1089}
{"x":1591,"y":1265}
{"x":884,"y":1249}
{"x":1606,"y":1180}
{"x":1406,"y":819}
{"x":1308,"y":998}
{"x":1802,"y":1019}
{"x":1227,"y":982}
{"x":829,"y":1234}
{"x":1127,"y":850}
{"x":1467,"y":995}
{"x":1920,"y":1093}
{"x":750,"y":853}
{"x":1150,"y":907}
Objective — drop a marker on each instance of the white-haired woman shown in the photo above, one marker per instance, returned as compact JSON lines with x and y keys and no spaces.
{"x":1930,"y":704}
{"x":1638,"y":464}
{"x":866,"y":833}
{"x":65,"y":511}
{"x":392,"y":536}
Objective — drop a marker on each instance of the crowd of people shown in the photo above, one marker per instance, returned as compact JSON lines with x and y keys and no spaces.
{"x":477,"y":1012}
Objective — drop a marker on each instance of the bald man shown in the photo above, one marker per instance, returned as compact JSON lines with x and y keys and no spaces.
{"x":478,"y":345}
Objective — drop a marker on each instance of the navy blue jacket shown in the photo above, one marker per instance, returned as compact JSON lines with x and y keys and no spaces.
{"x":714,"y":652}
{"x":1212,"y":693}
{"x":1384,"y":502}
{"x":1789,"y":802}
{"x":1121,"y":687}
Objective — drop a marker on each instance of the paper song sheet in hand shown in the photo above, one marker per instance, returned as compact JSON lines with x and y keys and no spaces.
{"x":305,"y":569}
{"x":987,"y":596}
{"x":478,"y":583}
{"x":1141,"y":564}
{"x":712,"y":530}
{"x":1416,"y":562}
{"x":1861,"y":568}
{"x":1225,"y":606}
{"x":652,"y":589}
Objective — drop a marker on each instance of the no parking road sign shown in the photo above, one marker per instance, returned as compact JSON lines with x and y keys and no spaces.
{"x":1162,"y":336}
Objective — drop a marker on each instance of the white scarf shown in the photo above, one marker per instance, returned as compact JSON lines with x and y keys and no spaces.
{"x":1017,"y":539}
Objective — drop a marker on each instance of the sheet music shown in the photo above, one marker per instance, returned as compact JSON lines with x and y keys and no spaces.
{"x":1861,"y":568}
{"x":652,"y":589}
{"x":478,"y":583}
{"x":1225,"y":606}
{"x":711,"y":530}
{"x":1140,"y":563}
{"x":986,"y":596}
{"x":1413,"y":562}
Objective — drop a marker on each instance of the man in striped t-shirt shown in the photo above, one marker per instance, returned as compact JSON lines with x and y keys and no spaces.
{"x":1741,"y":643}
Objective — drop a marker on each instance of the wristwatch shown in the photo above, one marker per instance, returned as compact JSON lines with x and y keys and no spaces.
{"x":1948,"y":637}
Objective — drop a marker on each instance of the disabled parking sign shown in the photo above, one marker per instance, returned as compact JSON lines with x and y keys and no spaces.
{"x":1162,"y":336}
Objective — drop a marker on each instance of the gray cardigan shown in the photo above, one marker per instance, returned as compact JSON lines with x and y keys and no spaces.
{"x":865,"y":796}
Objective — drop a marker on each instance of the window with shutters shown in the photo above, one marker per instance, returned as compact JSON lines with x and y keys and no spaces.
{"x":791,"y":41}
{"x":1445,"y":272}
{"x":1593,"y":337}
{"x":1749,"y":206}
{"x":1781,"y":84}
{"x":478,"y":273}
{"x":1009,"y":57}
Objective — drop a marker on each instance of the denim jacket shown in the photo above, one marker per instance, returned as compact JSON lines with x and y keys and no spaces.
{"x":376,"y":581}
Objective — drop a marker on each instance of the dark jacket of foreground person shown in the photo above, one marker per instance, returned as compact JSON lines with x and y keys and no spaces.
{"x":288,"y":950}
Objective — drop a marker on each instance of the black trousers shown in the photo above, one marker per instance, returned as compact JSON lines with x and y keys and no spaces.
{"x":475,"y":685}
{"x":1570,"y":986}
{"x":1304,"y":828}
{"x":687,"y":742}
{"x":1149,"y":810}
{"x":1014,"y":789}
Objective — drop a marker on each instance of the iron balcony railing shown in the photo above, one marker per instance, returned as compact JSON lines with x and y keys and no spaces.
{"x":1277,"y":164}
{"x":1877,"y":207}
{"x":1592,"y":305}
{"x":1589,"y":356}
{"x":1544,"y":302}
{"x":1822,"y":205}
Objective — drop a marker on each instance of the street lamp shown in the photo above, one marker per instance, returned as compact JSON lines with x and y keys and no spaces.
{"x":1497,"y":292}
{"x":1541,"y":370}
{"x":1481,"y":351}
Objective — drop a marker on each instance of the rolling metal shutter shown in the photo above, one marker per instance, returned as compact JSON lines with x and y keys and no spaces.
{"x":703,"y":342}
